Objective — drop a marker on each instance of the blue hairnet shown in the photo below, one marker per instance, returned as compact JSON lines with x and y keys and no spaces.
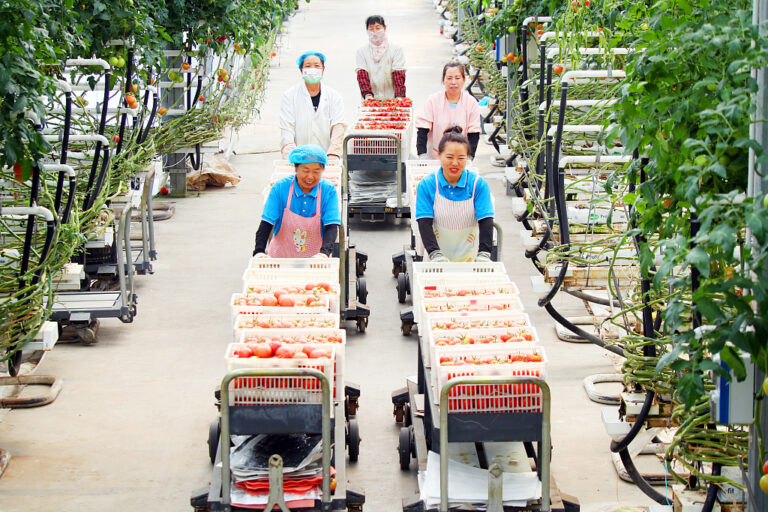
{"x":308,"y":154}
{"x":303,"y":56}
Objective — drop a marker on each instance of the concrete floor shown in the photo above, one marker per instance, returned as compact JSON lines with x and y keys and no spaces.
{"x":129,"y":429}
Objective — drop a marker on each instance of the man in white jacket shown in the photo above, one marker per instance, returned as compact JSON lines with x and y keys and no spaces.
{"x":311,"y":114}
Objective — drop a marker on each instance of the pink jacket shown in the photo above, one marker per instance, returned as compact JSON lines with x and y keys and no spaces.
{"x":437,"y":115}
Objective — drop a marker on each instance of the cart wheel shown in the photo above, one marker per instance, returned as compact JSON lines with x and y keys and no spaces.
{"x":401,"y":288}
{"x":362,"y":290}
{"x":399,"y":412}
{"x":214,"y":434}
{"x":361,"y":266}
{"x":362,"y":323}
{"x":353,"y":440}
{"x":406,"y":327}
{"x":87,"y":335}
{"x":398,"y":267}
{"x":407,"y":415}
{"x":404,"y":448}
{"x":350,"y":406}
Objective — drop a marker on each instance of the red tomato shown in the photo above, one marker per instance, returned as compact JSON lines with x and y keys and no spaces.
{"x":558,"y":69}
{"x":300,"y":355}
{"x":308,"y":349}
{"x":269,"y":301}
{"x":319,"y":353}
{"x":274,"y":345}
{"x":243,"y":352}
{"x":284,"y":352}
{"x":286,"y":301}
{"x":262,"y":350}
{"x":309,"y":286}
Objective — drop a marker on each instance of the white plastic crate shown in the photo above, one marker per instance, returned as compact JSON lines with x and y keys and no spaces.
{"x":278,"y":390}
{"x":428,"y":286}
{"x":439,"y":342}
{"x":240,"y":306}
{"x":330,"y":265}
{"x":295,"y":287}
{"x":480,"y":303}
{"x":425,"y":267}
{"x":496,"y":397}
{"x":472,"y":319}
{"x":268,"y":321}
{"x":304,"y":336}
{"x":380,"y":146}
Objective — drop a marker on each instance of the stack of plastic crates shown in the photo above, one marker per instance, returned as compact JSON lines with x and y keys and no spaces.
{"x":392,"y":120}
{"x":472,"y":323}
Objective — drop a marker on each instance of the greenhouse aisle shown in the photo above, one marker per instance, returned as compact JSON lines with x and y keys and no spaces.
{"x":129,"y":429}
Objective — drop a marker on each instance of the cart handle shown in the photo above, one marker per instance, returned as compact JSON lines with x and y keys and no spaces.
{"x":499,"y":240}
{"x":226,"y":477}
{"x":546,"y":446}
{"x":370,"y":134}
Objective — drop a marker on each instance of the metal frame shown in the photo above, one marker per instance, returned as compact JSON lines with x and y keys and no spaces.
{"x":546,"y":446}
{"x":224,"y":440}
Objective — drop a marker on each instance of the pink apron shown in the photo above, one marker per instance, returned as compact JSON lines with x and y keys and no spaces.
{"x":299,"y":237}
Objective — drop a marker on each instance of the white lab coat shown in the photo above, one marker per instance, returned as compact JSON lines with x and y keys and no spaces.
{"x":299,"y":122}
{"x":380,"y":72}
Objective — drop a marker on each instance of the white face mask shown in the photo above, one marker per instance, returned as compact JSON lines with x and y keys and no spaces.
{"x":312,"y":75}
{"x":377,"y":37}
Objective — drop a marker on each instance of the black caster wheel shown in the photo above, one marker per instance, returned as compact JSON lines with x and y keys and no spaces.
{"x":87,"y":334}
{"x":401,"y":287}
{"x":404,"y":448}
{"x":353,"y":440}
{"x":407,"y":415}
{"x":406,"y":327}
{"x":350,"y":406}
{"x":214,"y":434}
{"x":362,"y":324}
{"x":399,"y":412}
{"x":398,"y":268}
{"x":361,"y":266}
{"x":362,"y":290}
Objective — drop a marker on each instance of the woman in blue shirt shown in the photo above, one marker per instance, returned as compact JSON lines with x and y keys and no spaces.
{"x":302,"y":211}
{"x":454,"y":211}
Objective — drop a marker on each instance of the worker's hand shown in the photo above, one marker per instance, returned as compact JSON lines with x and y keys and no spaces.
{"x":333,"y":159}
{"x":438,"y":257}
{"x":320,"y":255}
{"x":424,"y":156}
{"x":260,"y":255}
{"x":368,"y":95}
{"x":483,"y":257}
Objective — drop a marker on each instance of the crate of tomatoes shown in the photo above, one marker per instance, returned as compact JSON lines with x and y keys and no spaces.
{"x":487,"y":361}
{"x":278,"y":390}
{"x":269,"y":321}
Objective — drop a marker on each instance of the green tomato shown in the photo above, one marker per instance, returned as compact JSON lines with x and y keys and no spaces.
{"x":644,"y":26}
{"x":172,"y":76}
{"x":764,"y":483}
{"x":765,"y":205}
{"x":765,"y":382}
{"x":700,"y":161}
{"x":113,"y":61}
{"x":724,"y":161}
{"x":129,"y":3}
{"x":241,"y":51}
{"x":711,"y":87}
{"x":511,"y":30}
{"x":120,"y":62}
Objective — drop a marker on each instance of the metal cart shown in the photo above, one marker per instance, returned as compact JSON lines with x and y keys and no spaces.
{"x":312,"y":418}
{"x":427,"y":426}
{"x":375,"y":151}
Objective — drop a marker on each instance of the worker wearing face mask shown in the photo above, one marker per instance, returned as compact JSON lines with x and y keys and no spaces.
{"x":380,"y":64}
{"x":311,"y":113}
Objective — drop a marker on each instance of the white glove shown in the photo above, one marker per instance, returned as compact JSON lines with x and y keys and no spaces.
{"x":438,"y":257}
{"x":424,"y":156}
{"x":483,"y":257}
{"x":260,"y":255}
{"x":333,"y":159}
{"x":320,"y":255}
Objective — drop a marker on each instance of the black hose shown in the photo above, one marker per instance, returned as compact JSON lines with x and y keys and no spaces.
{"x":617,"y":446}
{"x":524,"y":42}
{"x":638,"y":479}
{"x":709,"y":501}
{"x":97,"y":150}
{"x":591,"y":298}
{"x":581,"y":332}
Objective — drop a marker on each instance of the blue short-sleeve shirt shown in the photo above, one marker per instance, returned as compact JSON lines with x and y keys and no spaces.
{"x":302,"y":203}
{"x":425,"y":194}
